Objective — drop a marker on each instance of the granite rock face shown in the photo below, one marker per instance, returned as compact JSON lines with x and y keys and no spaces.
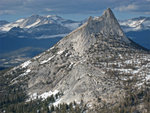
{"x":90,"y":64}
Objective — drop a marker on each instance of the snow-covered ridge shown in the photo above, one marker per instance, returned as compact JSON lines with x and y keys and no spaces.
{"x":36,"y":20}
{"x":135,"y":24}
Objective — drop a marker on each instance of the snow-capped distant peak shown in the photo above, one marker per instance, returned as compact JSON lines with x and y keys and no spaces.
{"x":37,"y":20}
{"x":135,"y":24}
{"x":132,"y":23}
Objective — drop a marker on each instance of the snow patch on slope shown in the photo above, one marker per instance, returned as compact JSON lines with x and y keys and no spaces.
{"x":44,"y":61}
{"x":25,"y":64}
{"x":28,"y":71}
{"x":43,"y":96}
{"x":60,"y":52}
{"x":48,"y":94}
{"x":23,"y":74}
{"x":148,"y":77}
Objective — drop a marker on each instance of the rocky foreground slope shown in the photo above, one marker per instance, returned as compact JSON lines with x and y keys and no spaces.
{"x":93,"y":63}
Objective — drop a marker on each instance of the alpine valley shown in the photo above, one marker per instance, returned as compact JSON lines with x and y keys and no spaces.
{"x":93,"y":69}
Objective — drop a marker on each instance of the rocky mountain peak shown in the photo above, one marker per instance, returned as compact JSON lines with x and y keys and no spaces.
{"x":89,"y":64}
{"x":106,"y":24}
{"x":108,"y":13}
{"x":86,"y":35}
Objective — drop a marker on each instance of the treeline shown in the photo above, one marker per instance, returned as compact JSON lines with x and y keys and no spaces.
{"x":39,"y":106}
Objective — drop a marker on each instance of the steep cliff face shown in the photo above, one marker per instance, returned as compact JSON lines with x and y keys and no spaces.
{"x":90,"y":63}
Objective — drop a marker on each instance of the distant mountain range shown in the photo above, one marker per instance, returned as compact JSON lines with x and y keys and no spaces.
{"x":37,"y":20}
{"x":43,"y":31}
{"x":52,"y":26}
{"x":37,"y":26}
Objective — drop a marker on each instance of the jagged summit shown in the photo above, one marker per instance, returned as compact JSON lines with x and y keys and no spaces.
{"x":108,"y":13}
{"x":105,"y":25}
{"x":89,"y":64}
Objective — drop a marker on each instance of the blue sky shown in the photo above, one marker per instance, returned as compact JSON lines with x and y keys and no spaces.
{"x":72,"y":9}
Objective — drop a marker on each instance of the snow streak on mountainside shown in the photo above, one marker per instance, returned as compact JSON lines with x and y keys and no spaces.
{"x":93,"y":62}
